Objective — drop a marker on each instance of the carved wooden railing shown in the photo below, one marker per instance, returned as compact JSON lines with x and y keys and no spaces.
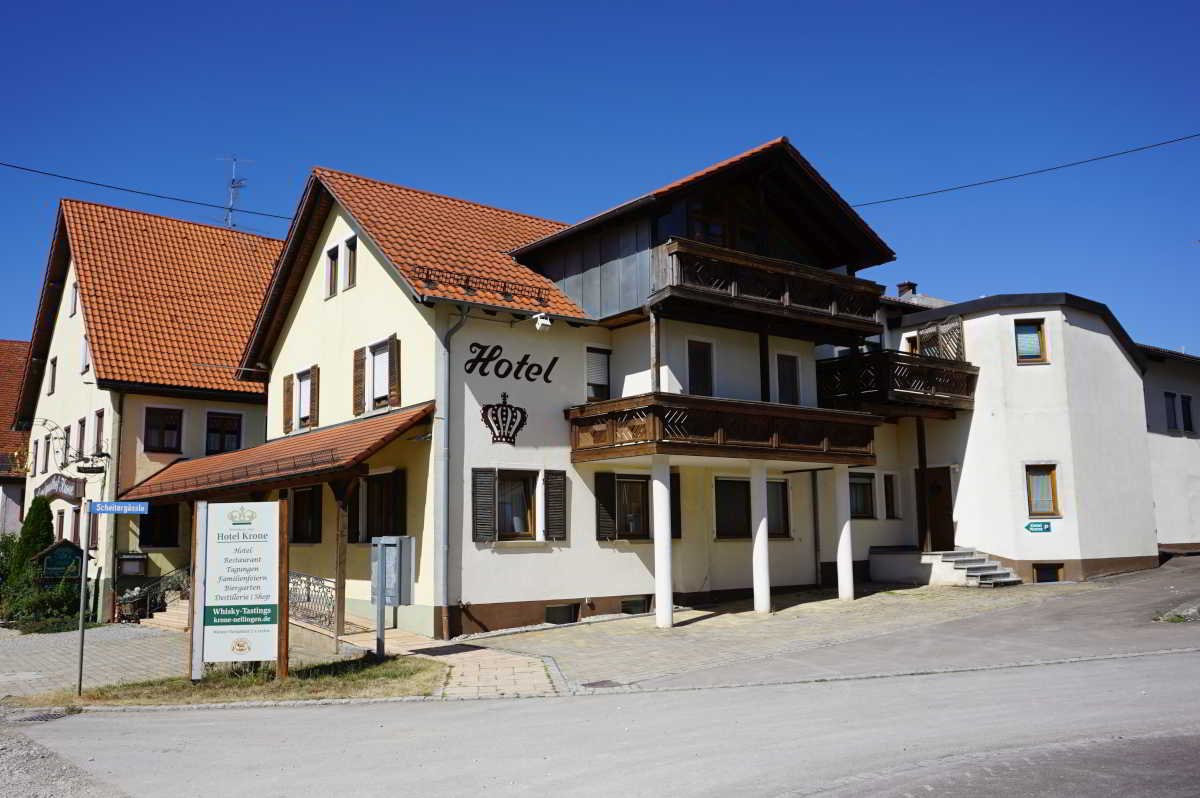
{"x":780,"y":283}
{"x":896,"y":377}
{"x":719,"y":427}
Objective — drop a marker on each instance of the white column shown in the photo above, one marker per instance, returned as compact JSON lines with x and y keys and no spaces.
{"x":760,"y":556}
{"x":841,"y":521}
{"x":660,"y":504}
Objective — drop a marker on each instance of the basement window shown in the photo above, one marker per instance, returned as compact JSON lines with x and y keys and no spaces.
{"x":562,"y":613}
{"x":635,"y":606}
{"x":1047,"y":572}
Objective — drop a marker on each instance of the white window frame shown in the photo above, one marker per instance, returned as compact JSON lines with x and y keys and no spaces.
{"x":85,"y":356}
{"x":301,"y":378}
{"x":586,"y":352}
{"x":74,"y":298}
{"x":345,"y":262}
{"x":369,"y":382}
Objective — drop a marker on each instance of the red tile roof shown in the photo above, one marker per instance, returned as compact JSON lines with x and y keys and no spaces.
{"x":12,"y":365}
{"x":449,"y":248}
{"x":319,"y":452}
{"x":162,"y":296}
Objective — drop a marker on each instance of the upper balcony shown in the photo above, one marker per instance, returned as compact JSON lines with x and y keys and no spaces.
{"x":681,"y":424}
{"x":893,"y":383}
{"x":812,"y":302}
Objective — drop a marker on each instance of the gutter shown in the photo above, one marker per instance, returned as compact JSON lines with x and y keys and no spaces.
{"x":441,"y":484}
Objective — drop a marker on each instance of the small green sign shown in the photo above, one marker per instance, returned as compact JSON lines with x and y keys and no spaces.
{"x":1038,"y":526}
{"x":230,"y":615}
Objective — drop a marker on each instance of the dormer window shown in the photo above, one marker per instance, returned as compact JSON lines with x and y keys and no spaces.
{"x":331,"y":272}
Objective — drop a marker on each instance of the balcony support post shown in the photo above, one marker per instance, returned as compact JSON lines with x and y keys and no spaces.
{"x":760,"y":554}
{"x":655,"y":355}
{"x":660,"y":504}
{"x":922,"y":489}
{"x":842,"y":523}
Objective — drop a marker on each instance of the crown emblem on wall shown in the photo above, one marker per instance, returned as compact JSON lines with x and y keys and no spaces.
{"x":504,"y":421}
{"x":241,"y":516}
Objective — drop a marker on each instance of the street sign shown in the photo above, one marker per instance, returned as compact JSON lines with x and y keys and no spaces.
{"x":1038,"y":526}
{"x":241,"y":582}
{"x":119,"y":508}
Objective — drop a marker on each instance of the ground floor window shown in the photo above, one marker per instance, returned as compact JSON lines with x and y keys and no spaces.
{"x":862,"y":495}
{"x":514,"y":504}
{"x":733,"y":508}
{"x":633,"y":506}
{"x":1041,"y":484}
{"x":306,"y":515}
{"x":384,"y":507}
{"x":159,"y":529}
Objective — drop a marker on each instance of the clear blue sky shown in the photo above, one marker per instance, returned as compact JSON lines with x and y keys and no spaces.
{"x":562,"y":112}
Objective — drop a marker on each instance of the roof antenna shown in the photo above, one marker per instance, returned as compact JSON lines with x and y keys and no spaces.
{"x":236,"y":184}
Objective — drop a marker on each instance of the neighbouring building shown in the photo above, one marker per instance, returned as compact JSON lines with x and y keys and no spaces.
{"x":140,"y":325}
{"x":14,"y":445}
{"x":1172,"y":382}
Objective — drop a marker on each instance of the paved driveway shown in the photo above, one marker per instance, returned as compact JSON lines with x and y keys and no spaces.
{"x":118,"y":653}
{"x":906,"y":629}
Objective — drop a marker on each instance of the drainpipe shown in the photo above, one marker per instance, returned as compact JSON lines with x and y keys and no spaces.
{"x":441,"y":484}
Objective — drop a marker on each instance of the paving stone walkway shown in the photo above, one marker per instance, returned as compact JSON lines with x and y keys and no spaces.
{"x":474,"y":671}
{"x":628,"y":651}
{"x":113,"y":654}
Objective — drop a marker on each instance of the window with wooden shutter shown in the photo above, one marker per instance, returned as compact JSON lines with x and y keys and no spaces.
{"x":483,"y":505}
{"x":93,"y":531}
{"x":287,"y":404}
{"x":99,"y":443}
{"x":606,"y":505}
{"x":676,"y":507}
{"x":359,"y":388}
{"x":306,"y":511}
{"x":393,"y":395}
{"x":598,"y":361}
{"x":555,"y":489}
{"x":1030,"y":341}
{"x":633,"y":506}
{"x":515,"y":517}
{"x":700,"y":368}
{"x":399,"y":479}
{"x":377,"y":378}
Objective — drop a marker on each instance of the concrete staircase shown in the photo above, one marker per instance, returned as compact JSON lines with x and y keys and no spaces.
{"x":970,"y":568}
{"x":177,"y":617}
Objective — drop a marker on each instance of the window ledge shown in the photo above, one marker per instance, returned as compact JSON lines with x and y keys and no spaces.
{"x":148,"y":549}
{"x":1045,"y":518}
{"x":524,"y":543}
{"x":1033,"y":362}
{"x":770,"y":538}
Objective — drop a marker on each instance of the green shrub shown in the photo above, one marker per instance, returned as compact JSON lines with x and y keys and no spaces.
{"x":22,"y":597}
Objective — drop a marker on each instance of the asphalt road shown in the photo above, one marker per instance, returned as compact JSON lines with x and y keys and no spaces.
{"x":1124,"y":722}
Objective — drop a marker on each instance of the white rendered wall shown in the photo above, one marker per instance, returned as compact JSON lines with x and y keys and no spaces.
{"x":1174,"y":454}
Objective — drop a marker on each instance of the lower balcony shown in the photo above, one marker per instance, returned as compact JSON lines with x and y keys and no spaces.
{"x":889,"y":382}
{"x":680,"y":424}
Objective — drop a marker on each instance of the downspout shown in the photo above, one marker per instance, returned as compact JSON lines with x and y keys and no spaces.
{"x":441,"y":484}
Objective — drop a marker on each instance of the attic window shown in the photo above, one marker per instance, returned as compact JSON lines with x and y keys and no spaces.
{"x":331,"y":272}
{"x":74,"y":298}
{"x":351,"y":268}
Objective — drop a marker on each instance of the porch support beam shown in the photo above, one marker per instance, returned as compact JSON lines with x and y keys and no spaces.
{"x":760,"y":554}
{"x":344,"y":492}
{"x":845,"y":543}
{"x":655,"y":353}
{"x":660,"y":503}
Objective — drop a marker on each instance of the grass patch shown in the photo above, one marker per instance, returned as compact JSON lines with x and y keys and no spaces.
{"x":365,"y":677}
{"x":1172,"y":617}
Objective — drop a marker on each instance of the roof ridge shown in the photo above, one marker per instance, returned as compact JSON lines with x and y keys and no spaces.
{"x":14,"y":341}
{"x":216,"y":227}
{"x":440,"y":196}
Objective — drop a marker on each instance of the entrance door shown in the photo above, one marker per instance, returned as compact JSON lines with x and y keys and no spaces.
{"x":941,"y":510}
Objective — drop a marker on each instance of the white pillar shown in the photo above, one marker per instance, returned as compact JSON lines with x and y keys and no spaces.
{"x":760,"y":555}
{"x":841,"y":521}
{"x":660,"y":504}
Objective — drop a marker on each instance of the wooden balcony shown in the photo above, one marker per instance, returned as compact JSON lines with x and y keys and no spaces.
{"x":796,"y":294}
{"x":680,"y":424}
{"x":897,"y":383}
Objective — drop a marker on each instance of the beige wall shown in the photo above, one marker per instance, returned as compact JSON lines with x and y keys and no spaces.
{"x":325,"y":331}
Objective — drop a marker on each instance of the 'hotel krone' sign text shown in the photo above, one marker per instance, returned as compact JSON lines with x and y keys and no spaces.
{"x":241,"y":586}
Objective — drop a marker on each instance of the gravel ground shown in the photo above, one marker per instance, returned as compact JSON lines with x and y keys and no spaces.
{"x":30,"y":770}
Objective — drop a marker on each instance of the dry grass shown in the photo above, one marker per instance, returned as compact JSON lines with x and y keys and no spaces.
{"x":365,"y":677}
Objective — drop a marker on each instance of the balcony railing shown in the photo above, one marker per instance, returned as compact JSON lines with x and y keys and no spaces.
{"x":664,"y":423}
{"x":889,"y":377}
{"x":758,"y":282}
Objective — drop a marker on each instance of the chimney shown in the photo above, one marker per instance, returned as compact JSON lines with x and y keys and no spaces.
{"x":906,"y":288}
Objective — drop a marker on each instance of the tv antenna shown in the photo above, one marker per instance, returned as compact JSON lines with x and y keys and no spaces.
{"x":236,"y":184}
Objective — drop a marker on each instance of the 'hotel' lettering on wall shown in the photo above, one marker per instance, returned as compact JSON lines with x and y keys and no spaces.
{"x":488,"y":361}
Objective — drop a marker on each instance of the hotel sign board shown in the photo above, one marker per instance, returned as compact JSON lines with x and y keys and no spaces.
{"x":241,"y":582}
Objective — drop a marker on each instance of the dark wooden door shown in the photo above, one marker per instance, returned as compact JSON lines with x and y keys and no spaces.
{"x":941,"y":510}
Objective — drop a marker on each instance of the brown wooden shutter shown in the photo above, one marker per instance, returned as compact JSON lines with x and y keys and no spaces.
{"x":360,"y":381}
{"x":393,"y":372}
{"x":287,"y":404}
{"x":314,"y":395}
{"x":317,"y":516}
{"x":676,"y":507}
{"x":606,"y":505}
{"x":483,"y":504}
{"x":555,"y":489}
{"x":93,"y":531}
{"x":400,"y":502}
{"x":354,"y":515}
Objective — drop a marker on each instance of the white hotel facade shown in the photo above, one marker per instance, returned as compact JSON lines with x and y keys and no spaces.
{"x":637,"y":410}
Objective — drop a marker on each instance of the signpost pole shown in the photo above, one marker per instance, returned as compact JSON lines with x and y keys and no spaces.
{"x":281,"y":656}
{"x":83,"y":560}
{"x":199,"y":572}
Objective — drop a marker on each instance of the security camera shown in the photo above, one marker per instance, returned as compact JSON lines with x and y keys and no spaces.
{"x":541,"y":322}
